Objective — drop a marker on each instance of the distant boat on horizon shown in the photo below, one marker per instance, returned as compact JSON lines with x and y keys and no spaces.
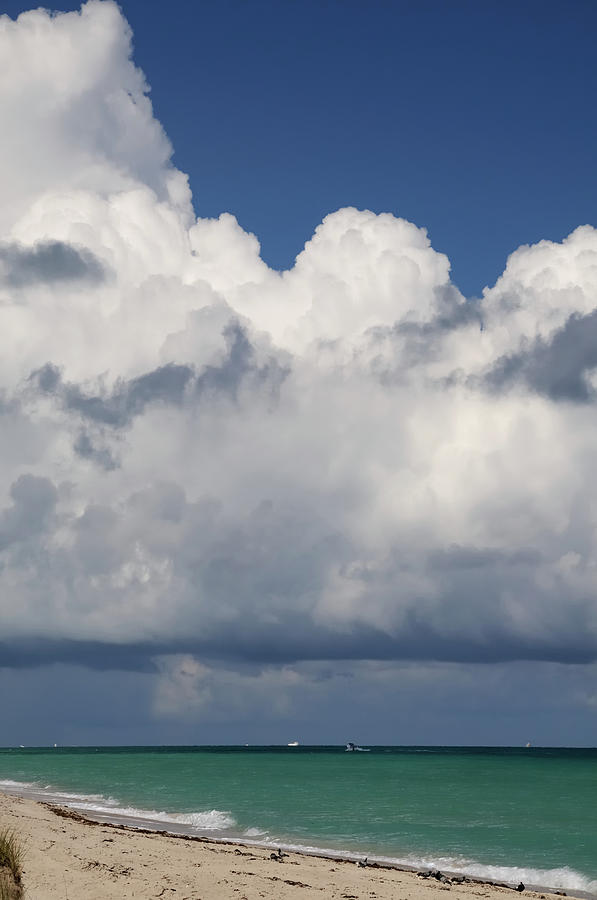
{"x":293,"y":744}
{"x":351,"y":748}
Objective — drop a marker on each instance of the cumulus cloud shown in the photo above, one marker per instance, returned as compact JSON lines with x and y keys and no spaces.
{"x":47,"y":262}
{"x":210,"y":461}
{"x":562,"y":367}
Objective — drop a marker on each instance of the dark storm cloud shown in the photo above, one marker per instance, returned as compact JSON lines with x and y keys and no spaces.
{"x":129,"y":398}
{"x":240,"y":366}
{"x":33,"y":501}
{"x":297,"y":641}
{"x":419,"y":342}
{"x":169,"y":384}
{"x":48,"y":378}
{"x":8,"y":404}
{"x":170,"y":487}
{"x":418,"y":641}
{"x":464,"y":558}
{"x":557,"y":368}
{"x":272,"y":567}
{"x":86,"y":449}
{"x":452,"y":313}
{"x":31,"y":653}
{"x":48,"y":262}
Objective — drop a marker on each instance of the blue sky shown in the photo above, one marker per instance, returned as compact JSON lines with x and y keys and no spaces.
{"x":237,"y":505}
{"x":471,"y":119}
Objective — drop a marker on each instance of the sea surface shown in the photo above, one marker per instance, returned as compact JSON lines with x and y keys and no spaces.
{"x":498,"y":813}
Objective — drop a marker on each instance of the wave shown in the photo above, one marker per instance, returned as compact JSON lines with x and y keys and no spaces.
{"x":212,"y":820}
{"x":557,"y":878}
{"x":203,"y":820}
{"x":561,"y":878}
{"x":8,"y":784}
{"x":67,"y":796}
{"x":221,"y":824}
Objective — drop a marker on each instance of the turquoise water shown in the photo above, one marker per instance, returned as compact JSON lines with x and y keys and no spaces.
{"x":514,"y":814}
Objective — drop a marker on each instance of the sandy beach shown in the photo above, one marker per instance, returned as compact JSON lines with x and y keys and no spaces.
{"x":68,"y":857}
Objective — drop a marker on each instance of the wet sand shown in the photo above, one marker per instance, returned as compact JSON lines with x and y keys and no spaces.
{"x":68,"y":857}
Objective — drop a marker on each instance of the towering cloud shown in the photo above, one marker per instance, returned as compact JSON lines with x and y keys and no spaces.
{"x":205,"y":459}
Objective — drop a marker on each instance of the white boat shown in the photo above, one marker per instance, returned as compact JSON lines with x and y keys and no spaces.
{"x":352,"y":748}
{"x":293,"y":743}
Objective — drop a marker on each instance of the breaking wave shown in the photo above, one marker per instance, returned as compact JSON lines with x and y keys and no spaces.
{"x":560,"y":878}
{"x":212,"y":820}
{"x":219,"y":823}
{"x":203,"y":820}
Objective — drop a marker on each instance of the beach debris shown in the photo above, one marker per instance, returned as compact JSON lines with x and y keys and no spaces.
{"x":114,"y":871}
{"x":520,"y":887}
{"x":362,"y":863}
{"x":278,"y":855}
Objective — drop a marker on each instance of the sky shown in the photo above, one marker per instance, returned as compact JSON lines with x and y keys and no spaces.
{"x":298,"y":373}
{"x":471,"y":119}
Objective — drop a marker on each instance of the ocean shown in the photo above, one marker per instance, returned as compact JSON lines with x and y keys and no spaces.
{"x":499,"y":813}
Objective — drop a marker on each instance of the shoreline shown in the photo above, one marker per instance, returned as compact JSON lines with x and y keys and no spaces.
{"x":372,"y":862}
{"x":162,"y":857}
{"x":151,"y":821}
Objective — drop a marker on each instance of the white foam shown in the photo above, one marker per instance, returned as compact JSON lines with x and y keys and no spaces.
{"x":562,"y":878}
{"x":215,"y":820}
{"x":203,"y":820}
{"x":8,"y":784}
{"x":212,"y":820}
{"x":67,"y":796}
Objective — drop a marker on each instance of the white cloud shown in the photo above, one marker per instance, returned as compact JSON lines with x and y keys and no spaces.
{"x":207,"y":458}
{"x":74,"y":110}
